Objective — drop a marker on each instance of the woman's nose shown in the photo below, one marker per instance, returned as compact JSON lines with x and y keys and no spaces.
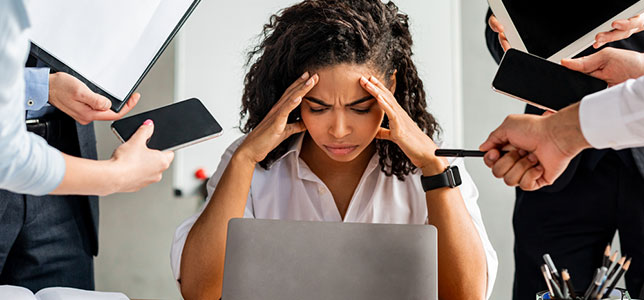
{"x":339,"y":127}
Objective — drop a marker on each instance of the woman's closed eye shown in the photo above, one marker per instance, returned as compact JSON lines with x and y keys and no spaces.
{"x":364,"y":107}
{"x":361,"y":110}
{"x":318,"y":109}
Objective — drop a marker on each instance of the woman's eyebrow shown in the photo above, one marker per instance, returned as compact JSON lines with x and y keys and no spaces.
{"x":320,"y":102}
{"x":317,"y":101}
{"x":365,"y":99}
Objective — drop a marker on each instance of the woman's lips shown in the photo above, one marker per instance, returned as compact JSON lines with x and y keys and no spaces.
{"x":340,"y":149}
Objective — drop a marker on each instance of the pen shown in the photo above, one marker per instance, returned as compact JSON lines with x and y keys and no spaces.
{"x":598,"y":285}
{"x":546,"y":276}
{"x":568,"y":283}
{"x":591,"y":287}
{"x":462,"y":153}
{"x":590,"y":292}
{"x":551,"y":265}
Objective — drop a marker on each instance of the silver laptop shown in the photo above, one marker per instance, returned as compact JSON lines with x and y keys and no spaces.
{"x":270,"y":259}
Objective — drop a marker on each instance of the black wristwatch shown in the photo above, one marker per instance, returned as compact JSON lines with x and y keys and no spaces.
{"x":450,"y":178}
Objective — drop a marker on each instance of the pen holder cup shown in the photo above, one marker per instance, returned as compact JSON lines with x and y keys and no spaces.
{"x":618,"y":293}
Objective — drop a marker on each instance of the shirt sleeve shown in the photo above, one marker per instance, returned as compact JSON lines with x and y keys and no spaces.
{"x":27,"y":163}
{"x":37,"y":91}
{"x":181,"y":234}
{"x":614,"y":118}
{"x":470,"y":195}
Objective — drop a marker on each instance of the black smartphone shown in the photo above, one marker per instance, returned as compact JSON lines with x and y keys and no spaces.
{"x":542,"y":83}
{"x":176,"y":125}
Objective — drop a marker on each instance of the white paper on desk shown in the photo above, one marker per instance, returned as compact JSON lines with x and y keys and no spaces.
{"x":109,"y":42}
{"x":61,"y":293}
{"x":56,"y":293}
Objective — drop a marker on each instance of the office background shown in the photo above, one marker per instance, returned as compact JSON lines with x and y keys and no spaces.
{"x":136,"y":229}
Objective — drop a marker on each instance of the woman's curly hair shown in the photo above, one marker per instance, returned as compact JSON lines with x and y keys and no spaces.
{"x":319,"y":33}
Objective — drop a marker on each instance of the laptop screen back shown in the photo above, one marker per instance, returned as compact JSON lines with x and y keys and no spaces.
{"x":268,"y":259}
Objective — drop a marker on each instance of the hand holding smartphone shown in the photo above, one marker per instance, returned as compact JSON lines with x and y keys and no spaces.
{"x":176,"y":125}
{"x":542,"y":83}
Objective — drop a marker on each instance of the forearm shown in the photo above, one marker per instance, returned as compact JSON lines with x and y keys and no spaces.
{"x":202,"y":261}
{"x":462,"y":266}
{"x":89,"y":177}
{"x":462,"y":272}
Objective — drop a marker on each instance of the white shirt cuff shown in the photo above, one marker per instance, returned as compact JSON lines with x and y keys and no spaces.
{"x":601,"y":120}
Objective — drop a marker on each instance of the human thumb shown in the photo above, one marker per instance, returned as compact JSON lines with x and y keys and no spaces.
{"x":143,"y":134}
{"x":586,"y":64}
{"x":97,"y":102}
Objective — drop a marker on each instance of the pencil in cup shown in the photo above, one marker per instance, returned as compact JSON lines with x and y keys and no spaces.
{"x":617,"y":293}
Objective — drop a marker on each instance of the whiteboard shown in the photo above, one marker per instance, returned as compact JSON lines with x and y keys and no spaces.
{"x":211,"y":52}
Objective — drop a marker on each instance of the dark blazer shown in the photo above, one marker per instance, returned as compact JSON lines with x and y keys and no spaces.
{"x":87,"y":143}
{"x":588,"y":157}
{"x":87,"y":147}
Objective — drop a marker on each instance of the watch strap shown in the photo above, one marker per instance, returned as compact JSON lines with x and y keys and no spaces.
{"x":450,"y":178}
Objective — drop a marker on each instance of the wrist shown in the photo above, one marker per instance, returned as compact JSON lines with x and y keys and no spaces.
{"x":564,"y":130}
{"x":242,"y":157}
{"x":116,"y":178}
{"x":52,"y":92}
{"x":434,"y":166}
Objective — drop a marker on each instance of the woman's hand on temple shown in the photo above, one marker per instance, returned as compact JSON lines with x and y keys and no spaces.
{"x":403,"y":131}
{"x":274,"y":129}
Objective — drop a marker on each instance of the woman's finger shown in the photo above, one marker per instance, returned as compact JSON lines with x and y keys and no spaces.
{"x":294,"y":128}
{"x":288,"y":93}
{"x":282,"y":116}
{"x":377,"y":94}
{"x":295,"y":85}
{"x":385,"y":94}
{"x":383,"y":134}
{"x":288,"y":106}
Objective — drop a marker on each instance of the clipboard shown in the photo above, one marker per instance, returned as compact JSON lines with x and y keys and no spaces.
{"x":110,"y":55}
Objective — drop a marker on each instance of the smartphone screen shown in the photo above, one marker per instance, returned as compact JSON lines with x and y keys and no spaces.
{"x":542,"y":83}
{"x":175,"y":126}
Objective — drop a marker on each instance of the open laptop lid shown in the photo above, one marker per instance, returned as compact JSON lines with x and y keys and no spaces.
{"x":269,"y":259}
{"x":109,"y":45}
{"x":554,"y":29}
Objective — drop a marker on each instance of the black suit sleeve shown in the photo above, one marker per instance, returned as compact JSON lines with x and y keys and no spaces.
{"x":492,"y":40}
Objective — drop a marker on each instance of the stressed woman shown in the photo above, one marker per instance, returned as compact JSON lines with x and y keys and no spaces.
{"x":336,"y":130}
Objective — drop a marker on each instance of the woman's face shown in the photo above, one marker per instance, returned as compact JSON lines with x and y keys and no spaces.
{"x":341,"y":117}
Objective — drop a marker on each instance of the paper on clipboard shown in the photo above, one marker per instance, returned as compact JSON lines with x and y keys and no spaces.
{"x":111,"y":43}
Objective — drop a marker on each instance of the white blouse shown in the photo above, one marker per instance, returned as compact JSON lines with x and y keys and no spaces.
{"x":289,"y":190}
